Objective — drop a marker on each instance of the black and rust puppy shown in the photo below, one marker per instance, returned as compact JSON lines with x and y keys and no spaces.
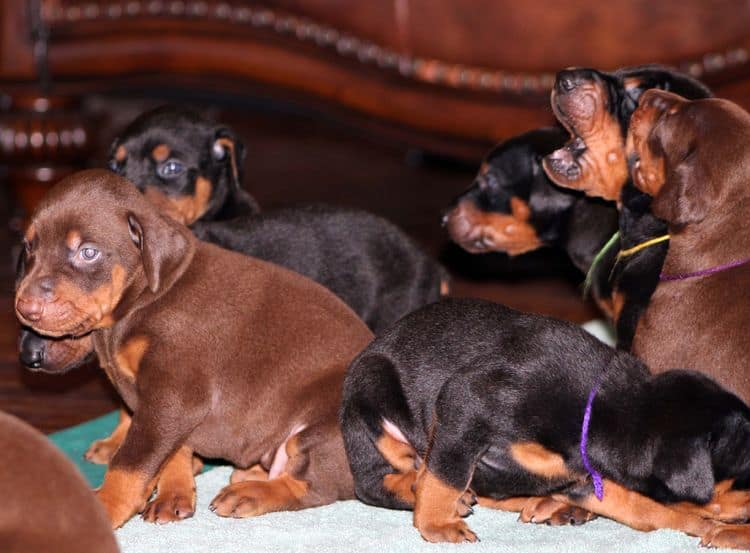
{"x":190,"y":169}
{"x":187,"y":165}
{"x":596,"y":108}
{"x":214,"y":352}
{"x":468,"y":398}
{"x":512,"y":207}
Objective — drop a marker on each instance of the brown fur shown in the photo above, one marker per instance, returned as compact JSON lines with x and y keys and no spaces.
{"x":47,"y":505}
{"x":272,"y":336}
{"x":699,"y":323}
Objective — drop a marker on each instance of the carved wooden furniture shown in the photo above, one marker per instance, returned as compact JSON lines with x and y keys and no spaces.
{"x":449,"y":76}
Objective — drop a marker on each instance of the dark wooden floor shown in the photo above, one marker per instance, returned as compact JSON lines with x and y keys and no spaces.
{"x":295,"y":157}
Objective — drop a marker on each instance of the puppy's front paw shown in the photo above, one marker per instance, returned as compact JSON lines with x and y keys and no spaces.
{"x":169,"y":507}
{"x":730,"y":536}
{"x":101,"y":452}
{"x":453,"y":532}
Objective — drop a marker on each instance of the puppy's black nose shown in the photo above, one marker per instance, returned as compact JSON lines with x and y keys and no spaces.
{"x":31,"y":358}
{"x":567,"y":80}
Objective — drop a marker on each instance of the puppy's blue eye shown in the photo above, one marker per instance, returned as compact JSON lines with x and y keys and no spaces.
{"x":170,"y":169}
{"x":88,"y":253}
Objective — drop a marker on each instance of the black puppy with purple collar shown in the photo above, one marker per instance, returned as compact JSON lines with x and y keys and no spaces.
{"x":467,"y":398}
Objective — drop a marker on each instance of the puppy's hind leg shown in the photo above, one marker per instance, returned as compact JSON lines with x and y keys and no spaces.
{"x":309,"y":470}
{"x":374,"y":416}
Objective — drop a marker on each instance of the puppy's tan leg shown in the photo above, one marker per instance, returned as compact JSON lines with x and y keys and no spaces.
{"x":315,"y":473}
{"x":175,"y":491}
{"x":437,"y":511}
{"x":156,"y":432}
{"x":640,"y":512}
{"x":727,"y":505}
{"x":102,"y":451}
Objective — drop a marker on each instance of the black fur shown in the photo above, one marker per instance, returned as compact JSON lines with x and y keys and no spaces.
{"x":562,"y":218}
{"x":191,"y":139}
{"x":368,"y":262}
{"x":465,"y":379}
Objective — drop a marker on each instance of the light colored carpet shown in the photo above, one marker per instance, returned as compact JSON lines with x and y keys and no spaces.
{"x":350,"y":526}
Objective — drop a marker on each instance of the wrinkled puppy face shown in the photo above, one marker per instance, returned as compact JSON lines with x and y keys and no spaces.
{"x":85,"y":247}
{"x":185,"y":165}
{"x":690,"y":155}
{"x":493,"y":215}
{"x":587,"y":104}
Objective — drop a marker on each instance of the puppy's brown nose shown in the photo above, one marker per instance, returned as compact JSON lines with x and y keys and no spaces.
{"x":31,"y":308}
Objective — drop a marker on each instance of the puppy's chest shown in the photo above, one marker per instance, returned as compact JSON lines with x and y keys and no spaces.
{"x":120,"y":360}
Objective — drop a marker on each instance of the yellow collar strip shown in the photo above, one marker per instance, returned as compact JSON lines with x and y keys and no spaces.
{"x":642,"y":246}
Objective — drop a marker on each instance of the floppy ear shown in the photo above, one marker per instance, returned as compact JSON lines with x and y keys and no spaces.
{"x":165,"y":250}
{"x":228,"y":148}
{"x":684,"y":198}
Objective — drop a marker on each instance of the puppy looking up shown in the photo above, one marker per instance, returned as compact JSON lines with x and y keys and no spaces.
{"x":694,"y":158}
{"x":214,"y":352}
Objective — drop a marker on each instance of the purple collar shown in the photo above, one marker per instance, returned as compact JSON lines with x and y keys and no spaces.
{"x":596,"y":477}
{"x":705,"y":272}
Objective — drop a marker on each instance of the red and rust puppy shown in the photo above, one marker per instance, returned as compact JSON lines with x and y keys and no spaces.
{"x":47,"y":505}
{"x":694,"y":158}
{"x":252,"y":374}
{"x":188,"y":166}
{"x":466,"y":398}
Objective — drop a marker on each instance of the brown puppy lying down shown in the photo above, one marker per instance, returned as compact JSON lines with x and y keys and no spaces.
{"x":214,"y":352}
{"x":694,"y":158}
{"x":47,"y":505}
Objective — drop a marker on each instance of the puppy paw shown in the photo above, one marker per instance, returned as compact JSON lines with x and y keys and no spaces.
{"x":454,"y":532}
{"x":545,"y":510}
{"x":169,"y":507}
{"x":253,"y":498}
{"x":101,"y":452}
{"x":730,"y":536}
{"x":465,"y":504}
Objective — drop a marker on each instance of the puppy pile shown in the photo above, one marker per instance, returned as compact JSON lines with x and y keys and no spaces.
{"x":312,"y":348}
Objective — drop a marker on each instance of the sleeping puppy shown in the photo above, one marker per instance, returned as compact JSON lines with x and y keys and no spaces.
{"x":466,"y":399}
{"x":514,"y":208}
{"x":188,"y":166}
{"x":214,"y":353}
{"x":190,"y":169}
{"x":596,"y":108}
